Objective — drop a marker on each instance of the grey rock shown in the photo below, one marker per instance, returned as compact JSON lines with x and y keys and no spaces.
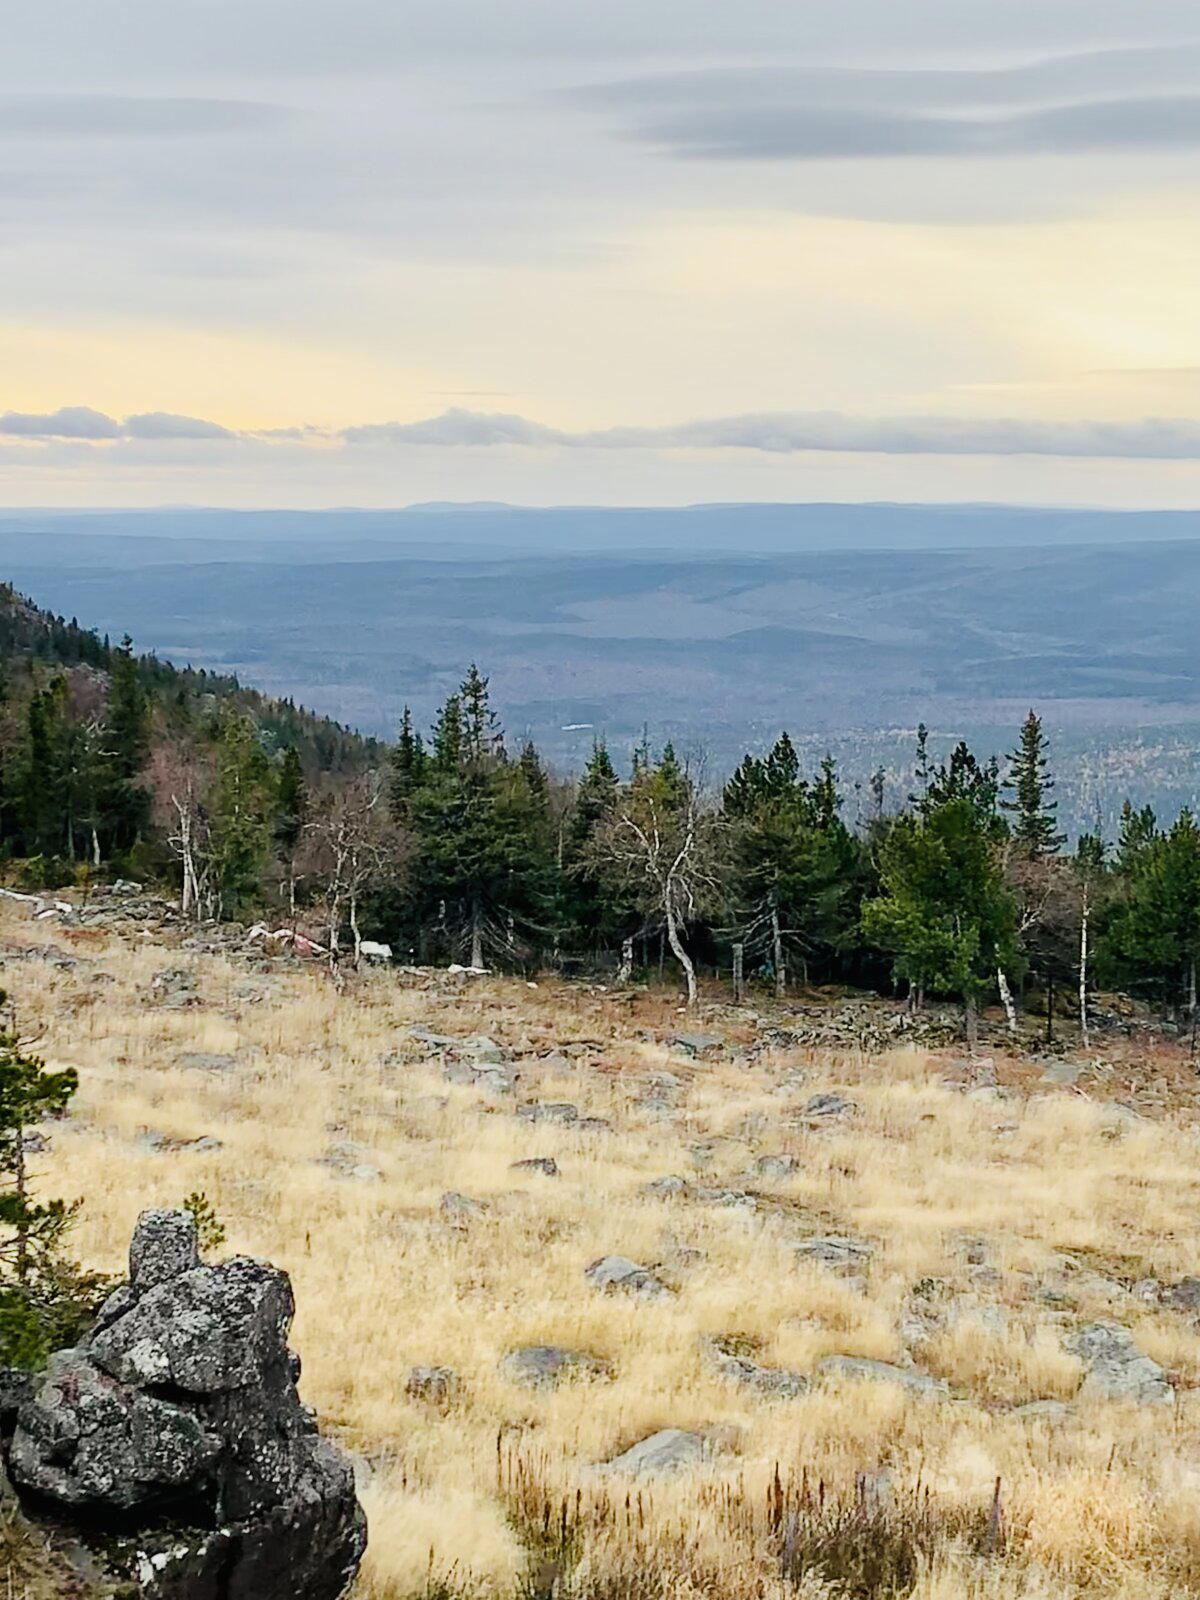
{"x":206,"y":1061}
{"x":436,"y":1385}
{"x":696,"y":1043}
{"x":558,"y":1112}
{"x":668,"y":1451}
{"x":728,"y":1199}
{"x":666,"y":1188}
{"x":834,"y":1250}
{"x":541,"y":1366}
{"x":1184,"y":1295}
{"x":618,"y":1273}
{"x":164,"y":1246}
{"x":775,"y":1383}
{"x":776,"y":1168}
{"x":436,"y":1041}
{"x":177,"y":1419}
{"x":545,"y":1165}
{"x":483,"y":1050}
{"x":834,"y":1106}
{"x":460,"y":1208}
{"x":593,"y":1125}
{"x":1117,"y":1369}
{"x":1066,"y":1073}
{"x":882,"y":1372}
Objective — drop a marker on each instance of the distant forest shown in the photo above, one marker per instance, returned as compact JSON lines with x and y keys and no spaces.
{"x":450,"y":845}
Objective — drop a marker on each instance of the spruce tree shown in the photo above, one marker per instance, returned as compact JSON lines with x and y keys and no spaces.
{"x":1034,"y":824}
{"x":407,"y":764}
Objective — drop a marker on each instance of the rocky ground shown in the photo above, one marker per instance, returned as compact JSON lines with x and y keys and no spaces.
{"x":592,"y":1289}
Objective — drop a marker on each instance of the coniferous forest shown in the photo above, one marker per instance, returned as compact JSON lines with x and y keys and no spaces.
{"x":456,"y":844}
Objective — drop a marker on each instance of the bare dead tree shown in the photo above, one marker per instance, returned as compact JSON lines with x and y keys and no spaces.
{"x":349,"y":844}
{"x":180,"y":787}
{"x":664,"y":851}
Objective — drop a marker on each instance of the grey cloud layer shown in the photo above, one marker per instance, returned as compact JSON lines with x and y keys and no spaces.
{"x":82,"y":423}
{"x":775,"y":433}
{"x":1105,"y":100}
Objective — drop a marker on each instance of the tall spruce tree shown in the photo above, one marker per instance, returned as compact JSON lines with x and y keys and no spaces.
{"x":1034,"y":823}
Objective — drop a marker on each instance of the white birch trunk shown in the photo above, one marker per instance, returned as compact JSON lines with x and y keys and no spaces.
{"x":680,"y":954}
{"x":1006,"y":999}
{"x":1083,"y":971}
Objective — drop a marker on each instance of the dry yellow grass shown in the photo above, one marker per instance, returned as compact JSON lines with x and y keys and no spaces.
{"x":1051,"y":1194}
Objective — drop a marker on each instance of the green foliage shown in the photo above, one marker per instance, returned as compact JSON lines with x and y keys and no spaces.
{"x":44,"y":1300}
{"x":1153,"y":932}
{"x":944,"y":912}
{"x":243,"y":808}
{"x":210,"y":1230}
{"x":1029,"y":783}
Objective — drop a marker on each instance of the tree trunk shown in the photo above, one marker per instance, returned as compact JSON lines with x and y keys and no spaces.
{"x":1049,"y":1010}
{"x":777,"y":955}
{"x":625,"y":970}
{"x":681,"y":955}
{"x":1192,"y":987}
{"x":1083,"y":971}
{"x":354,"y":933}
{"x":971,"y":1019}
{"x":19,"y":1187}
{"x":95,"y":849}
{"x":476,"y":933}
{"x":1006,"y":999}
{"x":739,"y":974}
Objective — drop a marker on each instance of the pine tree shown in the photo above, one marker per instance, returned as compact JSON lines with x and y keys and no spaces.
{"x":408,"y":763}
{"x":1030,"y":784}
{"x":44,"y":1302}
{"x":127,"y":742}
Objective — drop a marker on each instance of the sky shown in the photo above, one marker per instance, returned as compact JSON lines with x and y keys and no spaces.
{"x":377,"y":252}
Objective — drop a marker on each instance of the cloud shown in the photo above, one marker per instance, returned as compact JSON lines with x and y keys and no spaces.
{"x":120,"y":116}
{"x":166,"y":425}
{"x":1102,"y":100}
{"x":769,"y":433}
{"x":70,"y":422}
{"x":81,"y":422}
{"x":779,"y":433}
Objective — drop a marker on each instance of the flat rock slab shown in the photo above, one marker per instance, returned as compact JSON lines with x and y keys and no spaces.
{"x":617,"y":1274}
{"x":834,"y":1250}
{"x":560,"y":1113}
{"x":545,"y":1165}
{"x":1117,"y":1369}
{"x":542,"y":1366}
{"x":668,"y":1451}
{"x":696,"y":1043}
{"x":775,"y":1383}
{"x":861,"y":1367}
{"x":833,"y":1107}
{"x":206,"y":1061}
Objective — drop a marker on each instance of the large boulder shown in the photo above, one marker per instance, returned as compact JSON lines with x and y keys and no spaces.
{"x":175,"y":1427}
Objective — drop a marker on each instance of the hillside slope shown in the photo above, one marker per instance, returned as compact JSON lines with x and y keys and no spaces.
{"x":960,"y":1225}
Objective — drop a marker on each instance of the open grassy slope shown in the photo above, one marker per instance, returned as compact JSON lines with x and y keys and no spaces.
{"x":998,"y":1222}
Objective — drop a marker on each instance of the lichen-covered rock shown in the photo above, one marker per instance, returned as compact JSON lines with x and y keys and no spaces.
{"x":542,"y":1366}
{"x":175,"y":1426}
{"x":1117,"y":1369}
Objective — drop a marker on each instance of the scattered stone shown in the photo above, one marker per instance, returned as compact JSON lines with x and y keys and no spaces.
{"x":668,"y":1451}
{"x":832,"y":1106}
{"x":436,"y":1041}
{"x":546,"y":1165}
{"x":776,"y":1168}
{"x":206,"y":1061}
{"x":437,"y":1386}
{"x":774,"y":1382}
{"x":730,"y":1199}
{"x":174,"y":1433}
{"x":1066,"y":1073}
{"x":541,"y":1366}
{"x":696,"y":1044}
{"x":346,"y":1160}
{"x":483,"y":1050}
{"x":1117,"y":1369}
{"x":167,"y":1144}
{"x":593,"y":1125}
{"x":882,"y":1372}
{"x":1184,"y":1295}
{"x":666,"y":1188}
{"x":460,"y":1208}
{"x":618,"y":1273}
{"x":559,"y":1112}
{"x":175,"y":988}
{"x":835,"y":1250}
